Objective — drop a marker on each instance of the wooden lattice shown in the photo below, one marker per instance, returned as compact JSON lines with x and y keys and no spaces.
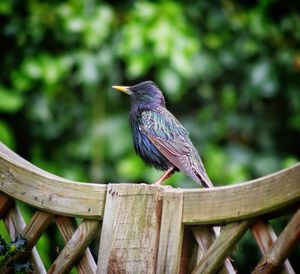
{"x":145,"y":228}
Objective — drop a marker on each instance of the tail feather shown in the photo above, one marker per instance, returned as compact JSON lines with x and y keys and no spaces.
{"x":204,"y":180}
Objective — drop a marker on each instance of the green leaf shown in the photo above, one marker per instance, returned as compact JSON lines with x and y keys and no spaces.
{"x":10,"y":101}
{"x":6,"y":135}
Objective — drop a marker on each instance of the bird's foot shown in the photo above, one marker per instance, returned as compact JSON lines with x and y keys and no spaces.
{"x":165,"y":176}
{"x":158,"y":182}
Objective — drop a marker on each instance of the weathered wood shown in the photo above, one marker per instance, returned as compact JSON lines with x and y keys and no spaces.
{"x":271,"y":192}
{"x":34,"y":229}
{"x":24,"y":181}
{"x":5,"y":204}
{"x":171,"y":232}
{"x":75,"y":247}
{"x":132,"y":224}
{"x":282,"y":247}
{"x":67,"y":227}
{"x":130,"y":229}
{"x":15,"y":223}
{"x":205,"y":238}
{"x":28,"y":183}
{"x":216,"y":254}
{"x":188,"y":251}
{"x":265,"y":238}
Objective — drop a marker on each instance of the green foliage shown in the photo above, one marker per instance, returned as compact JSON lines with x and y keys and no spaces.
{"x":229,"y":70}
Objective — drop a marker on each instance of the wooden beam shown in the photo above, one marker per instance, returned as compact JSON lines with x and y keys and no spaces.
{"x":36,"y":187}
{"x":218,"y":251}
{"x":265,"y":237}
{"x":242,"y":201}
{"x":205,"y":237}
{"x":5,"y":204}
{"x":283,"y":246}
{"x":130,"y":229}
{"x":35,"y":228}
{"x":26,"y":182}
{"x":67,"y":227}
{"x":75,"y":247}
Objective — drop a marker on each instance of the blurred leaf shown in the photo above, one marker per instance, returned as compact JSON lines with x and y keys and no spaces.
{"x":263,"y":79}
{"x":171,"y":83}
{"x":6,"y":135}
{"x":229,"y":97}
{"x":266,"y":164}
{"x":289,"y":161}
{"x":10,"y":101}
{"x":5,"y":7}
{"x":130,"y":168}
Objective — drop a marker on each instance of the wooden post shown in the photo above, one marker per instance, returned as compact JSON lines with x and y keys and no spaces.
{"x":171,"y":232}
{"x":130,"y":229}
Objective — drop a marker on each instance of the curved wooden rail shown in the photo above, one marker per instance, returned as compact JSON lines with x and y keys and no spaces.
{"x":143,"y":226}
{"x":36,"y":187}
{"x":26,"y":182}
{"x":241,"y":201}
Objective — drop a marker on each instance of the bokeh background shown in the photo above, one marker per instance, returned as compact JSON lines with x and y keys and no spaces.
{"x":230,"y":71}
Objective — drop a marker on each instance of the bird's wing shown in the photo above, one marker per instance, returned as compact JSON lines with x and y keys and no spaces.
{"x":172,"y":140}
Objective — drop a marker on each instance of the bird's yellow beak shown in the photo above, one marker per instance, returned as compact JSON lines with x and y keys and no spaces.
{"x":123,"y":89}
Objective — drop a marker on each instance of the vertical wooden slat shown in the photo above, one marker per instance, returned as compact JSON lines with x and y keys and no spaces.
{"x":15,"y":224}
{"x":282,"y":247}
{"x":171,"y":232}
{"x":130,"y":229}
{"x":67,"y":227}
{"x":75,"y":247}
{"x":265,"y":238}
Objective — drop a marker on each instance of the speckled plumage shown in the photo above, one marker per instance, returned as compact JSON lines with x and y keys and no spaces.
{"x":158,"y":137}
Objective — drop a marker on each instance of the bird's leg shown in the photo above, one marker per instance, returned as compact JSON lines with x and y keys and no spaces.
{"x":165,"y":176}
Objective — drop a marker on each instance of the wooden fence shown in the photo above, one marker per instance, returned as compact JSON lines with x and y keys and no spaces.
{"x":149,"y":229}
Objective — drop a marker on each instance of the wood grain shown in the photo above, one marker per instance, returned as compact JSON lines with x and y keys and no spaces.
{"x":265,"y":237}
{"x":5,"y":203}
{"x":218,"y":251}
{"x":205,"y":237}
{"x":26,"y":182}
{"x":171,"y":232}
{"x":241,"y":201}
{"x":67,"y":227}
{"x":130,"y":229}
{"x":282,"y":247}
{"x":75,"y":247}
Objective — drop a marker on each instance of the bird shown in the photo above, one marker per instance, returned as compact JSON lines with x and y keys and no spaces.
{"x":159,"y":138}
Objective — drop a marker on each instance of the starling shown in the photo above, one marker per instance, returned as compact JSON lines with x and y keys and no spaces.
{"x":158,"y":137}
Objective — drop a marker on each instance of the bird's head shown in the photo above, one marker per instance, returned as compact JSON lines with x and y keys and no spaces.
{"x":144,"y":93}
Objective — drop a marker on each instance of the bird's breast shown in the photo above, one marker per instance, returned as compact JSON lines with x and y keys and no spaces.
{"x":147,"y":150}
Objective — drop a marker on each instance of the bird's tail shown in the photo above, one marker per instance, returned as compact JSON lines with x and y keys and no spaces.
{"x":204,"y":180}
